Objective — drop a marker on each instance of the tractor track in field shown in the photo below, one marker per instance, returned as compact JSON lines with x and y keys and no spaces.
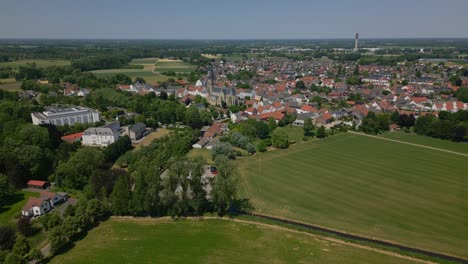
{"x":408,"y":143}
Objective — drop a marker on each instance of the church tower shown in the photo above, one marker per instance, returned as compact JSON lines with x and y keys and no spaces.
{"x":211,"y":79}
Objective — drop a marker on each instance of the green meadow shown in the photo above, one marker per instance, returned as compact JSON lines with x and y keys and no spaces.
{"x":366,"y":186}
{"x":209,"y":241}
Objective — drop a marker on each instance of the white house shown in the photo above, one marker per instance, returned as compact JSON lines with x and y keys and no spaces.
{"x":43,"y":204}
{"x":101,"y":136}
{"x":36,"y":207}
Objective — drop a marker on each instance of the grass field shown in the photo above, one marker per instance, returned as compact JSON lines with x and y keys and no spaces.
{"x":39,"y":63}
{"x":209,"y":241}
{"x":173,"y":65}
{"x":146,"y":73}
{"x":8,"y":212}
{"x":372,"y":187}
{"x":161,"y":132}
{"x":205,"y":153}
{"x":428,"y":141}
{"x":295,"y":133}
{"x":10,"y":85}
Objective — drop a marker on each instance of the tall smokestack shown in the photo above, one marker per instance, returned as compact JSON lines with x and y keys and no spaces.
{"x":356,"y":42}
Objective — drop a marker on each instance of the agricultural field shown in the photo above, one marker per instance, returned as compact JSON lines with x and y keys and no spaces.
{"x":427,"y":141}
{"x":146,"y":73}
{"x":366,"y":186}
{"x":39,"y":63}
{"x":10,"y":85}
{"x":176,"y":66}
{"x":209,"y":241}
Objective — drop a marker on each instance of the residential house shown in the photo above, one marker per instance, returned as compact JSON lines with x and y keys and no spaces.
{"x":137,"y":131}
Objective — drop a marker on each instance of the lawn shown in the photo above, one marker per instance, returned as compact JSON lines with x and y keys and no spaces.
{"x":372,"y":187}
{"x":205,"y":153}
{"x":209,"y":241}
{"x":295,"y":133}
{"x":39,"y":63}
{"x":173,"y":65}
{"x":13,"y":208}
{"x":159,"y":133}
{"x":428,"y":141}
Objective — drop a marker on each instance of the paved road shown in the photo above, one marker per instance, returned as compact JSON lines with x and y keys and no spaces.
{"x":407,"y":143}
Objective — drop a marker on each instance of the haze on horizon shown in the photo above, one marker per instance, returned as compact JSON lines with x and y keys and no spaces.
{"x":241,"y":19}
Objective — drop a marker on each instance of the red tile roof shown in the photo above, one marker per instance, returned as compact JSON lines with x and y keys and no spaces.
{"x":37,"y":183}
{"x":72,"y":138}
{"x":33,"y":201}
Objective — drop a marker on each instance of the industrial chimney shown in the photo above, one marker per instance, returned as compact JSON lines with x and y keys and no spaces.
{"x":356,"y":42}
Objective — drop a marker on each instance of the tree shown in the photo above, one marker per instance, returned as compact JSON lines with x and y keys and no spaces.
{"x":279,"y":139}
{"x":462,"y":94}
{"x":272,"y":124}
{"x":6,"y":190}
{"x":118,"y":148}
{"x":223,"y":149}
{"x":300,"y":85}
{"x":24,"y":226}
{"x":395,"y":117}
{"x":308,"y":127}
{"x":50,"y":220}
{"x":121,"y":196}
{"x":423,"y":124}
{"x":261,"y":146}
{"x":57,"y":240}
{"x":14,"y":259}
{"x":21,"y":247}
{"x":321,"y":133}
{"x":35,"y":255}
{"x":7,"y":237}
{"x":224,"y":190}
{"x":76,"y":171}
{"x":140,"y":80}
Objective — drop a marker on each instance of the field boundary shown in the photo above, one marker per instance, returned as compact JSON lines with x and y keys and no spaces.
{"x":343,"y":234}
{"x":408,"y":143}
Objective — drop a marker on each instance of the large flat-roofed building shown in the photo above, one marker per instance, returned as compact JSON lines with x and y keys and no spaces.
{"x":101,"y":136}
{"x":60,"y":116}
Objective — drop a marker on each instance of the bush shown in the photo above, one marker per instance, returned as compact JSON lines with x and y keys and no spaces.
{"x":261,"y":146}
{"x":7,"y":237}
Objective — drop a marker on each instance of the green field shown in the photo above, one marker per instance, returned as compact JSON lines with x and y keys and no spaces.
{"x":295,"y":133}
{"x":9,"y":211}
{"x":39,"y":63}
{"x":428,"y":141}
{"x":173,"y":65}
{"x":372,"y":187}
{"x":10,"y":85}
{"x":146,"y":73}
{"x":209,"y":241}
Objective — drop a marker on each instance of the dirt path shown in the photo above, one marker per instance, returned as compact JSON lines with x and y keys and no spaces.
{"x":275,"y":227}
{"x":407,"y":143}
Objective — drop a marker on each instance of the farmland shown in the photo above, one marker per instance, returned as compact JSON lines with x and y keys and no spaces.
{"x":176,"y":66}
{"x":10,"y":85}
{"x":39,"y":63}
{"x":146,"y":73}
{"x":209,"y":241}
{"x":372,"y":187}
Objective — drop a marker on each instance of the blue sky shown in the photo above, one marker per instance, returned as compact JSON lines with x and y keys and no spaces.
{"x":237,"y":19}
